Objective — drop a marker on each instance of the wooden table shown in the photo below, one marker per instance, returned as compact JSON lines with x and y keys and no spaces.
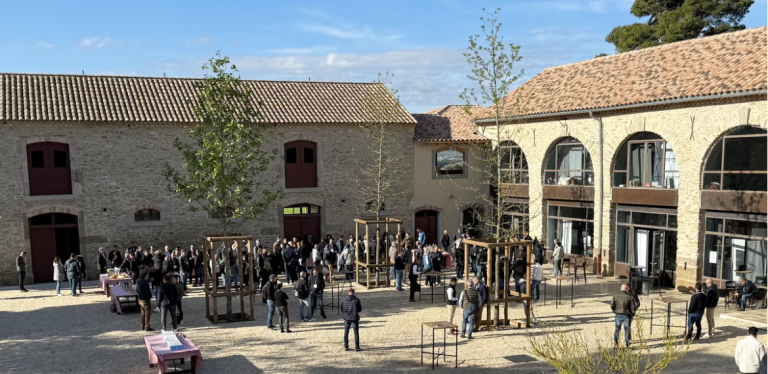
{"x":118,"y":292}
{"x":434,"y":274}
{"x":669,"y":301}
{"x":440,"y":325}
{"x":160,"y":354}
{"x":105,"y":282}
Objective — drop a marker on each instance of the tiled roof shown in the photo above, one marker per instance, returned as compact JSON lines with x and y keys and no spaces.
{"x":43,"y":97}
{"x":726,"y":63}
{"x":446,"y":124}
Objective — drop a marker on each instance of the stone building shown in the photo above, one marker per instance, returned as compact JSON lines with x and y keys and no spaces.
{"x":82,"y":160}
{"x":448,"y":172}
{"x":653,"y":158}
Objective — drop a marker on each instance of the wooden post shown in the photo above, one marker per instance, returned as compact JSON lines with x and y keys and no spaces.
{"x":489,"y":270}
{"x":506,"y":283}
{"x":357,"y":254}
{"x":466,"y":265}
{"x":367,"y":258}
{"x":250,"y":277}
{"x":215,"y":291}
{"x":206,"y":279}
{"x":240,"y":286}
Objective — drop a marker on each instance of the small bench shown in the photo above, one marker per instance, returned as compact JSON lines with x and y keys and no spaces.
{"x":120,"y":295}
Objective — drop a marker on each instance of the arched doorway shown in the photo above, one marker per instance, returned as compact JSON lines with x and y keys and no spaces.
{"x":301,"y":221}
{"x":50,"y":235}
{"x":426,"y":220}
{"x":470,"y":221}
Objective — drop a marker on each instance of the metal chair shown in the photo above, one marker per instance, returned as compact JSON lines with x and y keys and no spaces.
{"x":730,"y":290}
{"x":757,"y":296}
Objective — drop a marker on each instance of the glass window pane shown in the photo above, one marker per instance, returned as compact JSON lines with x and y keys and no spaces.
{"x":750,"y":228}
{"x":622,"y":243}
{"x":550,"y":177}
{"x":553,"y":210}
{"x":552,"y":232}
{"x":745,"y":154}
{"x":304,"y":210}
{"x":636,"y":164}
{"x":713,"y":252}
{"x":314,"y":209}
{"x":745,"y":182}
{"x":587,"y":161}
{"x":620,"y":179}
{"x":570,"y":157}
{"x":623,"y":217}
{"x":711,"y":181}
{"x":155,"y":215}
{"x":287,"y":211}
{"x":506,"y":157}
{"x":449,"y":162}
{"x":655,"y":155}
{"x":748,"y":130}
{"x":551,"y":162}
{"x":649,"y":219}
{"x":715,"y":157}
{"x":38,"y":159}
{"x":621,"y":159}
{"x":309,"y":155}
{"x":524,"y":177}
{"x":290,"y":156}
{"x":573,"y":212}
{"x":59,"y":159}
{"x":589,"y":178}
{"x":755,"y":259}
{"x":672,"y":221}
{"x":727,"y":270}
{"x":714,"y":224}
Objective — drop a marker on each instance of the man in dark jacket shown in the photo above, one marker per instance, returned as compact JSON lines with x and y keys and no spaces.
{"x":445,"y":242}
{"x":519,"y":270}
{"x":482,"y":292}
{"x":83,"y":273}
{"x":351,"y":308}
{"x":72,"y":268}
{"x":713,"y":296}
{"x":268,"y":293}
{"x":145,"y":301}
{"x":130,"y":266}
{"x":695,"y":311}
{"x":302,"y":293}
{"x":281,"y":305}
{"x":102,"y":261}
{"x":21,"y":268}
{"x":317,"y":285}
{"x":115,"y":258}
{"x":169,"y":297}
{"x":157,"y":260}
{"x":744,"y":292}
{"x":469,"y":302}
{"x":624,"y":305}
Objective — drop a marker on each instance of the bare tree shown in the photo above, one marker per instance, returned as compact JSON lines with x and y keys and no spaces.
{"x":502,"y":165}
{"x":380,"y":176}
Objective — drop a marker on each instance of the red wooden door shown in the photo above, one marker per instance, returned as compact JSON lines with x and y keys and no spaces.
{"x":426,"y":220}
{"x":300,"y":164}
{"x":310,"y":226}
{"x":49,"y":169}
{"x":292,"y":227}
{"x":42,"y":241}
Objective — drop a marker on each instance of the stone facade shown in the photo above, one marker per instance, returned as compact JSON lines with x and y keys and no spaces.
{"x":691,"y":131}
{"x":117,"y":169}
{"x":449,"y":195}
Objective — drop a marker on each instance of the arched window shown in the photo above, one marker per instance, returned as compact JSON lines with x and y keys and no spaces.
{"x":370,"y":207}
{"x":738,"y":162}
{"x":569,"y":163}
{"x":144,"y":215}
{"x":49,"y":169}
{"x":300,"y":209}
{"x":646,"y":160}
{"x":300,"y":164}
{"x":449,"y":162}
{"x":514,"y":166}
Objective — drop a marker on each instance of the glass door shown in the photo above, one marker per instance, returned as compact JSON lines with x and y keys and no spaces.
{"x":657,"y":255}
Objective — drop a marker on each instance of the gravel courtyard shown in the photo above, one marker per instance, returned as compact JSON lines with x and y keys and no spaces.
{"x":43,"y":333}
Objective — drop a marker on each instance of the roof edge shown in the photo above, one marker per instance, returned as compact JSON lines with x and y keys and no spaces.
{"x":590,"y":111}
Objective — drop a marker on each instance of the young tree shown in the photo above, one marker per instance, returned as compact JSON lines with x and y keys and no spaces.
{"x":494,"y":73}
{"x":224,"y":163}
{"x":380,"y":176}
{"x":672,"y":21}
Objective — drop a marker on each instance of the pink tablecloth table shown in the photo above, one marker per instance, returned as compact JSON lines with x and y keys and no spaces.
{"x":118,"y":292}
{"x":160,"y":354}
{"x":105,"y":281}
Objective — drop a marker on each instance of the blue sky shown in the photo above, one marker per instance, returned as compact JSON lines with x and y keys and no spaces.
{"x":419,"y":41}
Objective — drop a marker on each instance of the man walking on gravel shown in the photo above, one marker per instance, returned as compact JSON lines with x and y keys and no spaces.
{"x":624,"y":306}
{"x":351,"y":309}
{"x":21,"y":268}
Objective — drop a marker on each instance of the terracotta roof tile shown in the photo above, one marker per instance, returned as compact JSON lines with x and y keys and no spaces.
{"x":44,"y":97}
{"x":447,"y":123}
{"x":714,"y":65}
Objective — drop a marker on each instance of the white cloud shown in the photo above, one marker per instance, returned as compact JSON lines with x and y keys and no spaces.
{"x":343,"y":32}
{"x":45,"y":45}
{"x":98,"y":43}
{"x":313,"y":50}
{"x":594,"y":6}
{"x":205,"y":39}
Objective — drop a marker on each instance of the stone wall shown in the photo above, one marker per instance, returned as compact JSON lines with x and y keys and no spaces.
{"x":691,"y":132}
{"x":118,"y":167}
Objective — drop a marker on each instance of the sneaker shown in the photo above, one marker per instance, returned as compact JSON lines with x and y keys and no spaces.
{"x":288,"y":330}
{"x":282,"y":331}
{"x":311,"y":320}
{"x":181,"y":322}
{"x":157,"y":309}
{"x":149,"y":329}
{"x":469,"y":338}
{"x":705,"y":336}
{"x":463,"y":336}
{"x":346,"y":348}
{"x":358,"y":349}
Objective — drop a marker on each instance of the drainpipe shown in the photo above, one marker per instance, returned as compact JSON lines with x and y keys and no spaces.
{"x":600,"y":196}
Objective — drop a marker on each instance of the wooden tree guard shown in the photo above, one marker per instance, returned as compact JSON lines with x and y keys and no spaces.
{"x":212,"y":291}
{"x":375,"y":265}
{"x":496,"y":250}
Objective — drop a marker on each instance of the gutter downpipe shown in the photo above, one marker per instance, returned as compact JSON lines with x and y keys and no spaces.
{"x":600,"y":194}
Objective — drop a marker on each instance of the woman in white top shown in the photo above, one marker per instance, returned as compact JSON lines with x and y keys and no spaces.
{"x":58,"y":273}
{"x":316,"y":258}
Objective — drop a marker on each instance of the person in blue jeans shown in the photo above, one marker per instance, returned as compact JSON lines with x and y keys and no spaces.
{"x":399,"y":272}
{"x":268,"y":293}
{"x":624,"y":305}
{"x":696,"y":311}
{"x":470,"y":302}
{"x":744,"y":292}
{"x":317,"y":285}
{"x":351,"y":308}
